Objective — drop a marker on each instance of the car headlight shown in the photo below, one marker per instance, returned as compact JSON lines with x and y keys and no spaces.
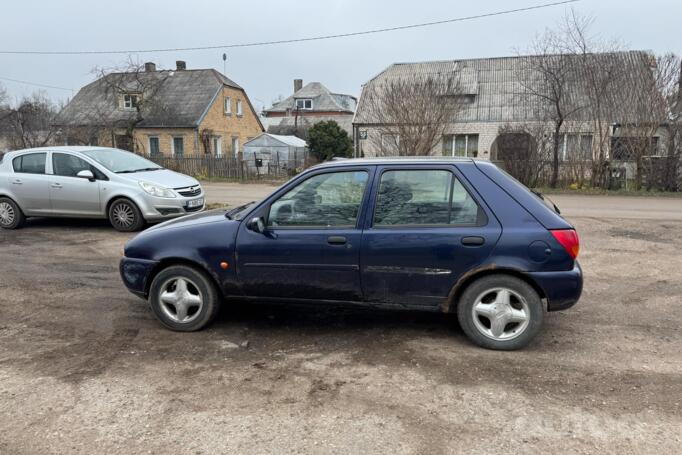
{"x":156,"y":190}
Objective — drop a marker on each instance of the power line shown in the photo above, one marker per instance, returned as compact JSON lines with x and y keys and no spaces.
{"x":35,"y":84}
{"x":294,"y":40}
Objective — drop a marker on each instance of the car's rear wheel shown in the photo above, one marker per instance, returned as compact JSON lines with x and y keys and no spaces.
{"x":124,"y":216}
{"x":184,"y":298}
{"x":11,"y":216}
{"x":500,"y":312}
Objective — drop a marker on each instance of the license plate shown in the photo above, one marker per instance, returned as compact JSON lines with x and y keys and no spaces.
{"x":195,"y":203}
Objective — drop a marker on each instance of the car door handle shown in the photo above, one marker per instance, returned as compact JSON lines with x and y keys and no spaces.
{"x":56,"y":185}
{"x":336,"y":240}
{"x":473,"y":241}
{"x":17,"y":182}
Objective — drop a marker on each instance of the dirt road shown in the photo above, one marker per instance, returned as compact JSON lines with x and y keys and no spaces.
{"x":84,"y":367}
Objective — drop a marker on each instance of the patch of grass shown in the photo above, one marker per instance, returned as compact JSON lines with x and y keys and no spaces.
{"x":215,"y":205}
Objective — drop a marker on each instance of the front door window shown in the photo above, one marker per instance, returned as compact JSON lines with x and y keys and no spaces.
{"x":322,"y":201}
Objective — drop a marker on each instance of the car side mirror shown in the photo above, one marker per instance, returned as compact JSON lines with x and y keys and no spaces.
{"x":86,"y":174}
{"x":256,"y":224}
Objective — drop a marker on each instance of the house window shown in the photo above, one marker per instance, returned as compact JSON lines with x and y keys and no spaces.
{"x":629,"y":147}
{"x":575,"y":147}
{"x":239,"y":108}
{"x":227,"y":106}
{"x":130,"y":101}
{"x":217,"y":146}
{"x":305,"y":104}
{"x":178,"y":146}
{"x":460,"y":145}
{"x":154,"y":146}
{"x":235,"y":145}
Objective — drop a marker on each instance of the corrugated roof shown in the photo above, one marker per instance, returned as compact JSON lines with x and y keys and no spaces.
{"x":181,"y":98}
{"x":264,"y":138}
{"x":323,"y":100}
{"x":498,"y":84}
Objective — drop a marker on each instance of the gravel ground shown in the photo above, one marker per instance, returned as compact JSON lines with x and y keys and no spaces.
{"x":84,"y":367}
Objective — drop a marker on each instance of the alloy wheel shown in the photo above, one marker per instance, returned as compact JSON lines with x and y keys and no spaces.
{"x":6,"y":214}
{"x":501,"y":314}
{"x":180,"y":300}
{"x":124,"y":215}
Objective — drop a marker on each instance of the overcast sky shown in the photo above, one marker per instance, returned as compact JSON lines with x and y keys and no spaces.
{"x":343,"y":65}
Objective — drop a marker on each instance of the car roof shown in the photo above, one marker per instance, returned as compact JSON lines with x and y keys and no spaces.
{"x":407,"y":160}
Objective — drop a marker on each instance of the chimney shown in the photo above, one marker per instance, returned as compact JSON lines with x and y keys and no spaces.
{"x":298,"y":85}
{"x":150,"y":67}
{"x":180,"y":65}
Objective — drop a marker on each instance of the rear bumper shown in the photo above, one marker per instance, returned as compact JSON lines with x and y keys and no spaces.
{"x":135,"y":273}
{"x":562,"y":289}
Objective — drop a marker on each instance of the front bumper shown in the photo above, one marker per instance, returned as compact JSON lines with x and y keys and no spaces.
{"x":135,"y":274}
{"x":562,"y":289}
{"x":159,"y":209}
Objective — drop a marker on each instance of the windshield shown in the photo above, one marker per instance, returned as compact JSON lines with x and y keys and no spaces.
{"x":120,"y":161}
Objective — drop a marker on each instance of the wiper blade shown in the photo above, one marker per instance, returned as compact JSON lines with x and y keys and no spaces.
{"x":130,"y":171}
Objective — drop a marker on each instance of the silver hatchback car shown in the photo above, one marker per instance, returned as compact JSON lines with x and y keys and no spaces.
{"x":92,"y":182}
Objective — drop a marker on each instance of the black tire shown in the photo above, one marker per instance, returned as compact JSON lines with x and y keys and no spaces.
{"x":488,"y":288}
{"x":197,"y":282}
{"x":133,"y":221}
{"x":11,"y":216}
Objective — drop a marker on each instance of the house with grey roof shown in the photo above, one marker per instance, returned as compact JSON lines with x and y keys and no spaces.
{"x":492,"y":94}
{"x":176,"y":112}
{"x":308,"y":105}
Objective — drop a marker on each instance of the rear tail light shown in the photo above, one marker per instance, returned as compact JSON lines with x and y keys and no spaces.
{"x":568,"y":238}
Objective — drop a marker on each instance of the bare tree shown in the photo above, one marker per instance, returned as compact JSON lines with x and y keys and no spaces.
{"x":549,"y":83}
{"x":599,"y":64}
{"x":411,"y":114}
{"x":134,"y":87}
{"x":30,"y":123}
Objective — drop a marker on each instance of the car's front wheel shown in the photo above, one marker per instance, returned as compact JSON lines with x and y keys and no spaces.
{"x":11,"y":216}
{"x":500,"y":312}
{"x":184,"y":298}
{"x":124,"y":216}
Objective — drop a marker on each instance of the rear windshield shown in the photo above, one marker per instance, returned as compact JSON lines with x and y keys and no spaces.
{"x":543,"y":212}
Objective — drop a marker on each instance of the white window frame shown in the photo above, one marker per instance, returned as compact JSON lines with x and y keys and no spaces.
{"x":128,"y":101}
{"x":563,"y":142}
{"x":303,"y":106}
{"x":149,"y":144}
{"x":466,"y":142}
{"x":239,"y":108}
{"x":227,"y":105}
{"x":217,"y":142}
{"x":173,"y":145}
{"x":235,"y":146}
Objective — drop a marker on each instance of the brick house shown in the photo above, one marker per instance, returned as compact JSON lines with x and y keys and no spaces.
{"x":308,"y":105}
{"x":177,"y":112}
{"x":492,"y":88}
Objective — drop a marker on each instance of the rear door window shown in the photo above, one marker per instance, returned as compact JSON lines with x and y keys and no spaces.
{"x":432,"y":197}
{"x":31,"y":163}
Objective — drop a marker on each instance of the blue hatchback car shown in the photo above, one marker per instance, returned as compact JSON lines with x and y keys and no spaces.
{"x":439,"y":235}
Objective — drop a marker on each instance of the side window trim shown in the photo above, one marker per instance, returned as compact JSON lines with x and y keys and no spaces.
{"x":455,"y":177}
{"x":95,"y":169}
{"x":359,"y":221}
